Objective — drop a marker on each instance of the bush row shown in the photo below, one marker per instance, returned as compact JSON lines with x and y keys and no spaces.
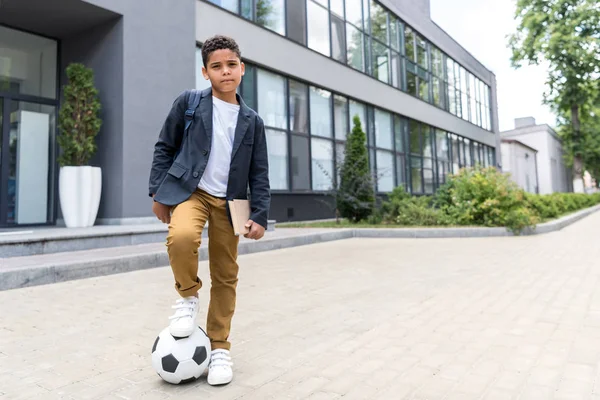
{"x":479,"y":197}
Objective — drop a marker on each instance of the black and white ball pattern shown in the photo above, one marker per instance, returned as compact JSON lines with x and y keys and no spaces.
{"x":181,"y":360}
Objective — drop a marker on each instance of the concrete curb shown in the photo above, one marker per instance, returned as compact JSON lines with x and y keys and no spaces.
{"x":65,"y":271}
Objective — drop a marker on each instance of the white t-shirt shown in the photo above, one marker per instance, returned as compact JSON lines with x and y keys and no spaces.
{"x":215,"y":177}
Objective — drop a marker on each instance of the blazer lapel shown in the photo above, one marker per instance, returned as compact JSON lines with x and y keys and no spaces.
{"x":241,"y":128}
{"x":205,"y":108}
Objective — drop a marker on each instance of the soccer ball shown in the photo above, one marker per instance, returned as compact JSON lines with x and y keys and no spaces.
{"x":181,"y":360}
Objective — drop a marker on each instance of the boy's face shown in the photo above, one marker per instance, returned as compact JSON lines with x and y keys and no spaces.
{"x":224,"y":70}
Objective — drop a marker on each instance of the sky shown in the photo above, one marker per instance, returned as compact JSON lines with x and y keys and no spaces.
{"x":482,"y":27}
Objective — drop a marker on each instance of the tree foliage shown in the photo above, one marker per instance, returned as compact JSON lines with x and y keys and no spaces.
{"x":356,"y":195}
{"x":565,"y":34}
{"x":78,"y":118}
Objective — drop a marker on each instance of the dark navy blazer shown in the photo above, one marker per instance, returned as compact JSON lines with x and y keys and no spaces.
{"x":179,"y":162}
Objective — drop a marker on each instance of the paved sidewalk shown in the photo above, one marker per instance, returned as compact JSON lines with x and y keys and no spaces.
{"x":488,"y":318}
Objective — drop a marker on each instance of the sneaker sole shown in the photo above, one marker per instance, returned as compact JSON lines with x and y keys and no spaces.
{"x":219,"y":383}
{"x":181,"y":333}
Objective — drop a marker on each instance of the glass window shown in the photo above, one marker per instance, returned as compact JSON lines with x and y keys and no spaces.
{"x":383,"y":130}
{"x":27,"y":64}
{"x":437,"y":62}
{"x":422,"y":52}
{"x":299,"y":163}
{"x":399,"y":124}
{"x":296,"y":21}
{"x":415,"y":136}
{"x":318,"y":28}
{"x":324,"y":3}
{"x":359,"y":109}
{"x":269,"y":13}
{"x":248,"y":9}
{"x":379,"y":22}
{"x":278,"y":161}
{"x":436,"y":91}
{"x":231,"y":5}
{"x":354,"y":13}
{"x":400,"y":171}
{"x":415,"y":175}
{"x":355,"y":48}
{"x":337,"y":7}
{"x":441,"y":144}
{"x":247,"y":86}
{"x":423,"y":89}
{"x":340,"y":113}
{"x":322,"y":164}
{"x":427,"y":144}
{"x":455,"y":154}
{"x":320,"y":112}
{"x":366,"y":16}
{"x":428,"y":180}
{"x":30,"y":160}
{"x":298,"y":107}
{"x":338,"y":39}
{"x":201,"y":82}
{"x":411,"y":83}
{"x":385,"y":171}
{"x":409,"y":43}
{"x":380,"y":62}
{"x":271,"y":99}
{"x":395,"y":67}
{"x":339,"y":159}
{"x":468,"y":161}
{"x":394,"y":37}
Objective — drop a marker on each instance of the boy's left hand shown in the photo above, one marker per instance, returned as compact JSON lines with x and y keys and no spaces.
{"x":257,"y":231}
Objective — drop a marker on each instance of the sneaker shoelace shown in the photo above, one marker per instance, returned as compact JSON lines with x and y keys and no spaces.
{"x":184,"y":308}
{"x":220,"y":359}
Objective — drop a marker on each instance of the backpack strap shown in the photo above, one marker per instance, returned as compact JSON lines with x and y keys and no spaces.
{"x":192,"y":104}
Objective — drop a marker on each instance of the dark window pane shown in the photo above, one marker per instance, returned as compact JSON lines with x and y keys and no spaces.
{"x":378,"y":22}
{"x":436,"y":92}
{"x":320,"y":112}
{"x":318,"y":28}
{"x":422,"y":57}
{"x":298,"y":107}
{"x":354,"y":12}
{"x":411,"y":83}
{"x":340,"y":113}
{"x":437,"y":62}
{"x":380,"y":62}
{"x":423,"y":89}
{"x":269,"y":13}
{"x":409,"y":43}
{"x":355,"y":48}
{"x":296,"y":21}
{"x":399,"y":124}
{"x":415,"y":137}
{"x":248,"y":84}
{"x":299,"y":163}
{"x":415,"y":175}
{"x":468,"y":160}
{"x":441,"y":144}
{"x":338,"y":39}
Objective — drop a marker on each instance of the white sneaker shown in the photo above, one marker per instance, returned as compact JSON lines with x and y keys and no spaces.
{"x":183,"y":321}
{"x":219,"y":369}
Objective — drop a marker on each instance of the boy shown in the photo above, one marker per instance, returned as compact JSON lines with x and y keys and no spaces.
{"x":193,"y":174}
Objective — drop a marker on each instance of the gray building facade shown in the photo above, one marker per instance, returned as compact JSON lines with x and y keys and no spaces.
{"x":428,"y":106}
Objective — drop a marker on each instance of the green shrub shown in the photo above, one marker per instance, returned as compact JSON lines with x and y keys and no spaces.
{"x":355,"y":197}
{"x":403,"y":209}
{"x":484,"y":197}
{"x":549,"y":206}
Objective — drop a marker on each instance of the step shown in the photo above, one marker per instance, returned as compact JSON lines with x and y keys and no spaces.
{"x":19,"y":242}
{"x":24,"y":271}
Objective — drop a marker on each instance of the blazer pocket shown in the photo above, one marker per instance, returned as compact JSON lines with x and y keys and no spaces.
{"x":177,"y":170}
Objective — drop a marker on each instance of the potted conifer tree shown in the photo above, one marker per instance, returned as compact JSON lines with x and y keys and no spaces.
{"x":80,"y":184}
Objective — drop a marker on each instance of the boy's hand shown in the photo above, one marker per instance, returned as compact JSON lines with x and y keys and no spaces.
{"x":256,"y":230}
{"x":162,"y":211}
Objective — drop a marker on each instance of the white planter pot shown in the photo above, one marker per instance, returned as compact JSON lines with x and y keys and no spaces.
{"x":79,"y":189}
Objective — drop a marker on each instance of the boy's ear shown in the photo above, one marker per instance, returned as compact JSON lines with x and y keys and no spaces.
{"x":204,"y":73}
{"x":243,"y":68}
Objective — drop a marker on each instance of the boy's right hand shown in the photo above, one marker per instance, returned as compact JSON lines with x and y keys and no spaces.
{"x":162,"y":211}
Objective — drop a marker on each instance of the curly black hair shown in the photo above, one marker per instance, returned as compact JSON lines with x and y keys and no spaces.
{"x":219,"y":42}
